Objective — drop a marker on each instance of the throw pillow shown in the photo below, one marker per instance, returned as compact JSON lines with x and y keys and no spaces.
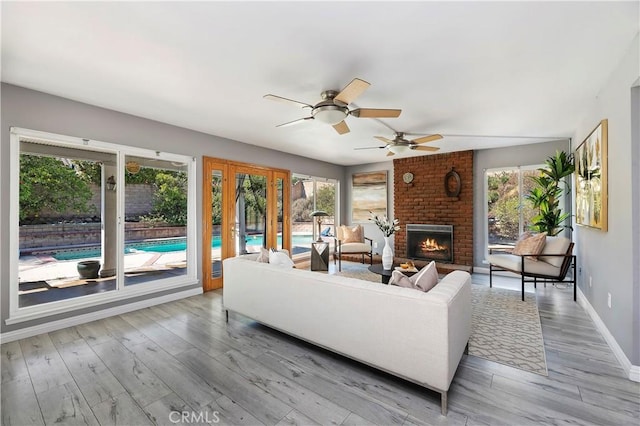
{"x":427,"y":278}
{"x":352,"y":235}
{"x":400,"y":279}
{"x":281,"y":259}
{"x":263,"y":257}
{"x":532,"y":246}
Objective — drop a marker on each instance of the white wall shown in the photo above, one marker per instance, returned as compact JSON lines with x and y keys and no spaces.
{"x":606,"y":257}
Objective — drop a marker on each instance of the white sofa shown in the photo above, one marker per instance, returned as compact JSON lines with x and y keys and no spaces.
{"x":418,"y":336}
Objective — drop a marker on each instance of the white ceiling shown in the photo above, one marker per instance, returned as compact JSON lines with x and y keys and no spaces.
{"x":456,"y":68}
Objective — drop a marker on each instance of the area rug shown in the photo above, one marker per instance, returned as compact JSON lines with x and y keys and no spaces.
{"x":507,"y":330}
{"x":503,"y":328}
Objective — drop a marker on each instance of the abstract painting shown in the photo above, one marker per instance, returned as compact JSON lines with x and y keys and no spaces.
{"x":591,"y":179}
{"x":368,"y":193}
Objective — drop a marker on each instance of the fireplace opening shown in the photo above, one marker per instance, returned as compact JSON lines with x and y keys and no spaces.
{"x":430,"y":242}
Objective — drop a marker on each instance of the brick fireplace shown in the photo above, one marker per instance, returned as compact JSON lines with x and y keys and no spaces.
{"x":425,"y":201}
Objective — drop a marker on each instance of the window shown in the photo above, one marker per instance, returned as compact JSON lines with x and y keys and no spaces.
{"x":508,"y":214}
{"x":94,"y":222}
{"x":309,"y":194}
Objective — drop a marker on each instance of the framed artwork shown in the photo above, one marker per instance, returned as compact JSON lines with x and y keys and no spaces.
{"x":368,"y":193}
{"x":591,"y":179}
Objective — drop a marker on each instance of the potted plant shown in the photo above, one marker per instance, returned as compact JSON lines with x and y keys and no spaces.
{"x":545,"y":196}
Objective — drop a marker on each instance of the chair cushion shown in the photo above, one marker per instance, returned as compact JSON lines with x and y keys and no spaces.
{"x":531,"y":245}
{"x":555,"y":245}
{"x":355,"y":248}
{"x":353,"y":234}
{"x":513,"y":262}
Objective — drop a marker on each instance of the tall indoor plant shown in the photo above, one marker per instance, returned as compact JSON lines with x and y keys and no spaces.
{"x":545,"y":196}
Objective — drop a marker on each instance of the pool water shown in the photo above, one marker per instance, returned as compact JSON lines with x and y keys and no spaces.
{"x":170,"y":245}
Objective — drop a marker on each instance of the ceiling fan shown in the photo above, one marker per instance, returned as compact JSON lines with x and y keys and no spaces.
{"x":400,"y":145}
{"x":333,"y":108}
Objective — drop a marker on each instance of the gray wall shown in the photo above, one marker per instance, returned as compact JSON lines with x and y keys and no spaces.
{"x":39,"y":111}
{"x":370,"y":230}
{"x":523,"y":155}
{"x":635,"y":167}
{"x":607,"y":257}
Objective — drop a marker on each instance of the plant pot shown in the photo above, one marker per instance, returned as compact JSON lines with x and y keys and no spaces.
{"x":88,"y":269}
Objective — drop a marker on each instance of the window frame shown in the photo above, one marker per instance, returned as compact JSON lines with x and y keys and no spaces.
{"x":485,"y":183}
{"x":122,"y":292}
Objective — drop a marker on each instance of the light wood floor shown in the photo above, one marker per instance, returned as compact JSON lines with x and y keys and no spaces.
{"x":137,"y":368}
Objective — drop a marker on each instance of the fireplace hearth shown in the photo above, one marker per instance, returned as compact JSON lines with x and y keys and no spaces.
{"x":430,"y":242}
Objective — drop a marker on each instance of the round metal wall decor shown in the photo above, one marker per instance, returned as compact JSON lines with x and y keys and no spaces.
{"x":452,"y":184}
{"x":407,"y":177}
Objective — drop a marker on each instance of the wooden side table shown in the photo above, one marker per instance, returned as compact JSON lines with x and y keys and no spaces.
{"x":319,"y":256}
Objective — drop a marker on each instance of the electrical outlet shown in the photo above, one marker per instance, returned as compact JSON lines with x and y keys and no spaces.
{"x":609,"y":300}
{"x":375,"y":244}
{"x":590,"y":281}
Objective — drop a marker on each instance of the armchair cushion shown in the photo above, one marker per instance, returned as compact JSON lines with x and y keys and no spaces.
{"x":355,"y":247}
{"x":531,"y":245}
{"x":353,"y":234}
{"x":514,"y":263}
{"x":555,"y":245}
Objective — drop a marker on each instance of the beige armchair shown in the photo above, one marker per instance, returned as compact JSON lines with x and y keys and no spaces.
{"x":552,"y":264}
{"x":351,"y":240}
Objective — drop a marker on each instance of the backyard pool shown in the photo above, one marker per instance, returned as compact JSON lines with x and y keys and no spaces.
{"x":162,"y":246}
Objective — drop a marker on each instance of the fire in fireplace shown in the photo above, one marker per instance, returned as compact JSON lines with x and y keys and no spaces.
{"x":430,"y":242}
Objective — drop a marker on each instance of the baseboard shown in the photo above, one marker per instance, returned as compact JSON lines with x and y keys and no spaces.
{"x":633,"y":371}
{"x":93,"y":316}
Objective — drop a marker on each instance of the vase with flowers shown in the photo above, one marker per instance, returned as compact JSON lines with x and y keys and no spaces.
{"x":388,"y":228}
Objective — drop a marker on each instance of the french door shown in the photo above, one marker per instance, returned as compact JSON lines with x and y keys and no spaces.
{"x":245,"y":207}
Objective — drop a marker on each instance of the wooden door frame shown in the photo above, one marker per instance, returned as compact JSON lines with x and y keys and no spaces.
{"x":229,"y":170}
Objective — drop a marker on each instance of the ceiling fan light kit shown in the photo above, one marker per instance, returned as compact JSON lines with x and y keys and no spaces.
{"x":333,"y":108}
{"x":330,"y":114}
{"x":400,"y":145}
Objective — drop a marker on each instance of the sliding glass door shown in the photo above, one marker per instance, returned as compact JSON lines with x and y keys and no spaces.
{"x":245,"y":207}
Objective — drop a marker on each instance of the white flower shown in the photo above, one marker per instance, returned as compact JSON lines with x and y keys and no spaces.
{"x":387,"y":227}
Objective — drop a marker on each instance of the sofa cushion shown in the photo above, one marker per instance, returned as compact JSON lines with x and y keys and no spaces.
{"x":424,"y":280}
{"x":263,"y":257}
{"x":531,"y":245}
{"x":400,"y":279}
{"x":281,"y":259}
{"x":555,"y":245}
{"x":351,"y":234}
{"x":513,"y":263}
{"x":427,"y":278}
{"x":355,"y":248}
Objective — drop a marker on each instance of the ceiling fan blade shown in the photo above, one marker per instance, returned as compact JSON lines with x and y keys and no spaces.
{"x":375,"y":113}
{"x":291,"y":101}
{"x":383,"y":139}
{"x":352,"y":91}
{"x":298,"y":121}
{"x":426,"y":139}
{"x":390,"y":153}
{"x":371,"y":147}
{"x":341,"y":127}
{"x":425,"y":148}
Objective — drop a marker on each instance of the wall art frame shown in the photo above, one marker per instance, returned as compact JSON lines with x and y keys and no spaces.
{"x":368,"y":194}
{"x":591,"y":179}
